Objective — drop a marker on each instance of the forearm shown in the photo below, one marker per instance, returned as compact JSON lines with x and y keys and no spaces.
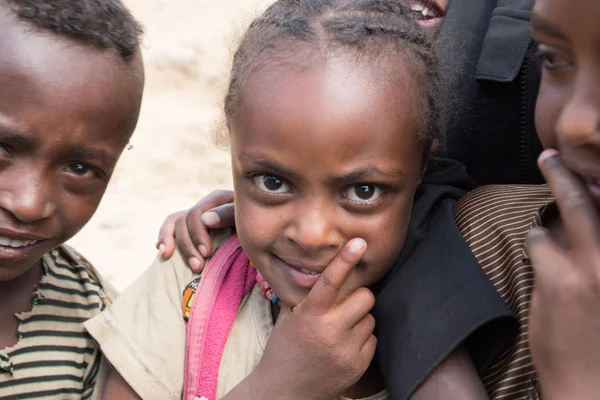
{"x":454,"y":379}
{"x":258,"y":386}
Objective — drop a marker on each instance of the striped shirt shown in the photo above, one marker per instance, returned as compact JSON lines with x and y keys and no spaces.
{"x":54,"y":357}
{"x":494,"y":221}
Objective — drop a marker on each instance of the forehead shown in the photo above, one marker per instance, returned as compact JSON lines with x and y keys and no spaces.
{"x":577,"y":18}
{"x":330,"y":112}
{"x":43,"y":75}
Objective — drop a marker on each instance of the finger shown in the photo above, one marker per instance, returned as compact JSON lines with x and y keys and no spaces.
{"x":214,"y":199}
{"x":355,"y":307}
{"x":220,"y":217}
{"x":364,"y":328}
{"x":545,"y":255}
{"x":577,"y":209}
{"x":368,"y":350}
{"x":166,"y":236}
{"x":186,"y":246}
{"x":198,"y":232}
{"x":323,"y":295}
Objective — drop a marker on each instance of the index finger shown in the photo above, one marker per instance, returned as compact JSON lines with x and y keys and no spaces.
{"x":577,"y":209}
{"x":323,"y":295}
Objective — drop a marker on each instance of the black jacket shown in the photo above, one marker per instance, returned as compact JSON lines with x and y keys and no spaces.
{"x":490,"y":46}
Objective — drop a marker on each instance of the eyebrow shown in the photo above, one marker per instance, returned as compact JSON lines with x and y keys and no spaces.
{"x":540,"y":24}
{"x":280,"y":169}
{"x":87,"y":153}
{"x":13,"y":136}
{"x":366,"y":173}
{"x":362,"y":173}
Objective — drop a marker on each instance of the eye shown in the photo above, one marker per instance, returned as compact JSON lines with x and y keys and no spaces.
{"x":363,"y":193}
{"x":271,"y":184}
{"x":80,"y":169}
{"x":550,"y":60}
{"x":5,"y":150}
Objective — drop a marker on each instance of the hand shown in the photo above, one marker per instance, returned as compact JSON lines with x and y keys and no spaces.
{"x":188,"y":229}
{"x":564,"y":320}
{"x":320,"y":348}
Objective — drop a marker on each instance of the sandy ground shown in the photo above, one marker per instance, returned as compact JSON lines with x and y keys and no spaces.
{"x":174,"y":160}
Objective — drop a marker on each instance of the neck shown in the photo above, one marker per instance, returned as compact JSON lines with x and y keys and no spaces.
{"x":11,"y":289}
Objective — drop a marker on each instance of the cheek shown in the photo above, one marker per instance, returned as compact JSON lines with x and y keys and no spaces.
{"x":385,"y":236}
{"x":256,"y":226}
{"x":75,"y":211}
{"x":547,"y":111}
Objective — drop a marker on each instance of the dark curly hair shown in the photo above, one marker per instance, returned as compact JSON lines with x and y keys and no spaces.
{"x":381,"y":31}
{"x":106,"y":24}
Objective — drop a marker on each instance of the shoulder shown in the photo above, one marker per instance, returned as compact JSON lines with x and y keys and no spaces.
{"x":498,"y":208}
{"x":142,"y":334}
{"x":67,"y":254}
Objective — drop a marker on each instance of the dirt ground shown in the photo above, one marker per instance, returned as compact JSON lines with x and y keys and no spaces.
{"x":173,"y":161}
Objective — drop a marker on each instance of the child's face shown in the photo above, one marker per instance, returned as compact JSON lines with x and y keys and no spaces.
{"x":66,"y":113}
{"x":568,"y":105}
{"x":320,"y":157}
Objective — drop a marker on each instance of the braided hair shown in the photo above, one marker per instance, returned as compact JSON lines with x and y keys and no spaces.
{"x":289,"y":31}
{"x":105,"y":24}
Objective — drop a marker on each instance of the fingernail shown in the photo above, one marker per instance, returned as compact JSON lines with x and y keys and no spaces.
{"x":203,"y":250}
{"x":548,"y":153}
{"x":161,"y":248}
{"x":210,"y":218}
{"x":357,"y":245}
{"x":194,"y":263}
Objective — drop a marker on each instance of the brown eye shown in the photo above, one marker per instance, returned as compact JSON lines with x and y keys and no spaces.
{"x":363,"y":193}
{"x":271,"y":184}
{"x":80,"y":169}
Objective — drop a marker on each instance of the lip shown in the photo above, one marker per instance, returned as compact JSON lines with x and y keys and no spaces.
{"x":429,"y":23}
{"x":20,"y":235}
{"x":19,"y":253}
{"x":294,"y":270}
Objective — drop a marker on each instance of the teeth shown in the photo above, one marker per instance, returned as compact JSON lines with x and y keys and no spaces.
{"x":426,"y":12}
{"x":4,"y":241}
{"x":417,"y":7}
{"x":308,"y":271}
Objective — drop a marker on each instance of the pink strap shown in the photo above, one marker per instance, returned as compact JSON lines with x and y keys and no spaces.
{"x":228,"y":278}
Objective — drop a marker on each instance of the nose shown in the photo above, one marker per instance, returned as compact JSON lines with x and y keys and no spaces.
{"x":579,"y":121}
{"x":315,"y":226}
{"x":28,"y":198}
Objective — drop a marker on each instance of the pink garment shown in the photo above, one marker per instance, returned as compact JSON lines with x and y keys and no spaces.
{"x":228,"y":278}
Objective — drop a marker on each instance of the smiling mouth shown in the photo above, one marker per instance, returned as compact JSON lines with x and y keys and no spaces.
{"x":17,"y":244}
{"x":426,"y":10}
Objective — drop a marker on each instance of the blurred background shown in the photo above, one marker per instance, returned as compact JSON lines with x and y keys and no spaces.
{"x":174,"y":159}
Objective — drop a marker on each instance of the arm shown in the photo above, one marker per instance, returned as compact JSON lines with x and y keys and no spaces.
{"x":455,"y":378}
{"x":188,"y":230}
{"x":117,"y":388}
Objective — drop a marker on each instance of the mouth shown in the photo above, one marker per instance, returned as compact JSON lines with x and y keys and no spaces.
{"x":428,"y":12}
{"x":301,"y":274}
{"x":17,"y":245}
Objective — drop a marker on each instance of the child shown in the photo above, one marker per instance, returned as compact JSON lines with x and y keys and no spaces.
{"x":328,"y":157}
{"x":550,"y":232}
{"x":71,"y":79}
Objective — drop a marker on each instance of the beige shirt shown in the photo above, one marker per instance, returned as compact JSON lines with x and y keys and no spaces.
{"x":143,"y":334}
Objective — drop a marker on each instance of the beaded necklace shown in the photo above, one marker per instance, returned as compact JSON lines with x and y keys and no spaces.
{"x":265,"y":288}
